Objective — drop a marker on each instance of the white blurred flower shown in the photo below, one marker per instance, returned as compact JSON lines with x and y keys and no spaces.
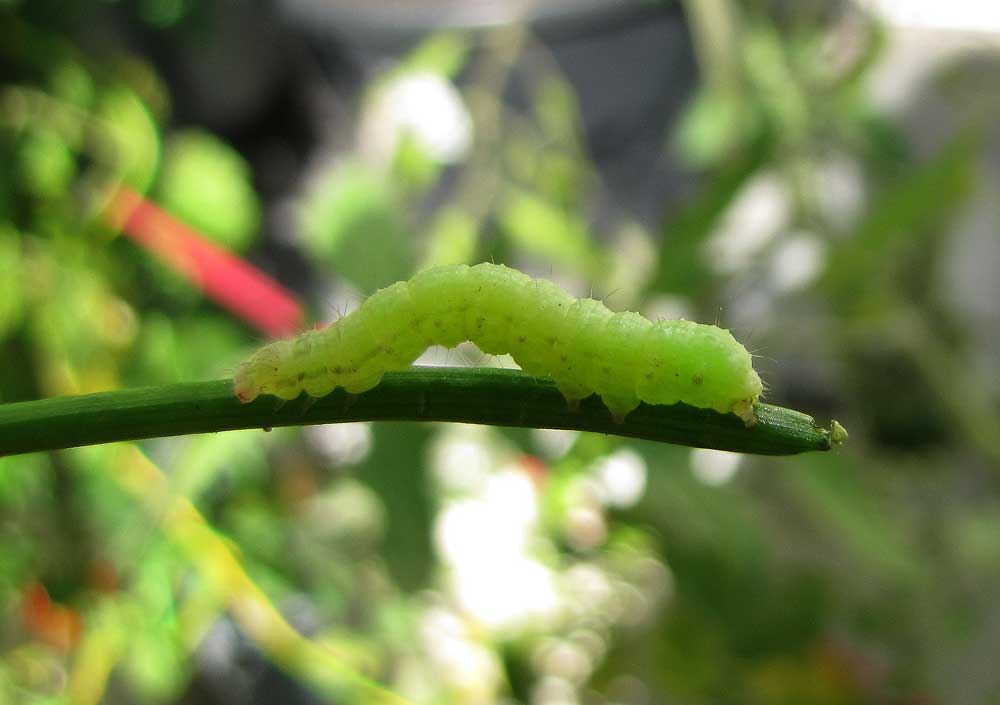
{"x":476,"y":531}
{"x":341,"y":442}
{"x":631,"y":605}
{"x":620,"y":478}
{"x":840,"y":190}
{"x":592,"y":642}
{"x":797,"y":262}
{"x":758,"y":213}
{"x":512,"y":494}
{"x":585,"y":527}
{"x":552,"y":690}
{"x":714,"y":467}
{"x":562,"y":658}
{"x":467,"y":533}
{"x":485,"y":542}
{"x":587,"y":588}
{"x":461,"y":461}
{"x":554,"y":443}
{"x":509,"y":594}
{"x":348,"y":509}
{"x":423,"y":105}
{"x":974,"y":15}
{"x":464,"y":664}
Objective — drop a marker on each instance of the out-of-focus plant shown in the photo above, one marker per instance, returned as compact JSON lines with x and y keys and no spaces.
{"x":117,"y":578}
{"x":204,"y":182}
{"x":541,"y":567}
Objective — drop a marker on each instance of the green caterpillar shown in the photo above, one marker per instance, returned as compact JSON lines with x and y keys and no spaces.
{"x":579,"y":343}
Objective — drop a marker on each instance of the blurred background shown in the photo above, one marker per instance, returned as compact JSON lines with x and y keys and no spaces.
{"x":180,"y":181}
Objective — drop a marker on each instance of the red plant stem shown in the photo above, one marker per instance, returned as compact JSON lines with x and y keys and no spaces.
{"x":225,"y":278}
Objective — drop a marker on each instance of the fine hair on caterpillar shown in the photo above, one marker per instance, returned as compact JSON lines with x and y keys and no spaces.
{"x":579,"y":343}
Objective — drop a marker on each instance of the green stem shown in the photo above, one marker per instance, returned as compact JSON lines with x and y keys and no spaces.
{"x":470,"y":395}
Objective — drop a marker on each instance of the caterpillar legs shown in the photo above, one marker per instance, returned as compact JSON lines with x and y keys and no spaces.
{"x":744,"y":409}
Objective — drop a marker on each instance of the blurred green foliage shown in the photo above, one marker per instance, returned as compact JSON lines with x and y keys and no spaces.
{"x":208,"y":184}
{"x":464,"y":565}
{"x":353,"y":223}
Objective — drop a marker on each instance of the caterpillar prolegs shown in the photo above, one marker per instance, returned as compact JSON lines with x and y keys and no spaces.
{"x":584,"y":347}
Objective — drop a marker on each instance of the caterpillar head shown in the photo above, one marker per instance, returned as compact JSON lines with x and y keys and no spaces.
{"x":746,"y":388}
{"x":259,"y":374}
{"x":246,"y":386}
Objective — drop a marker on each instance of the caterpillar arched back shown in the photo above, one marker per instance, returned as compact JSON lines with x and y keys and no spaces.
{"x":579,"y":343}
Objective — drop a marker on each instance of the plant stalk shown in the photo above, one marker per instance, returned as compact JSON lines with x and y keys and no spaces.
{"x":469,"y":395}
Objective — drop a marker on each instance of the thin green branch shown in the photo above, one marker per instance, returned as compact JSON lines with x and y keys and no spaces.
{"x":474,"y":395}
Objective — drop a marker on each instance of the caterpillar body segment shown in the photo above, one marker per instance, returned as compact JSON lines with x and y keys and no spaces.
{"x":584,"y":347}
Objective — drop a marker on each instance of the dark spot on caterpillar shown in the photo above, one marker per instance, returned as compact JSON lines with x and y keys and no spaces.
{"x":338,"y":370}
{"x":606,"y":370}
{"x":697,"y":379}
{"x":521,"y":338}
{"x":302,"y":376}
{"x":266,"y":429}
{"x":563,"y":358}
